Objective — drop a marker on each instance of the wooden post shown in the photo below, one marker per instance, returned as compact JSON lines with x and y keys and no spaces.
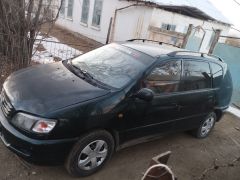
{"x":215,"y":41}
{"x":109,"y":31}
{"x":185,"y":40}
{"x":111,"y":35}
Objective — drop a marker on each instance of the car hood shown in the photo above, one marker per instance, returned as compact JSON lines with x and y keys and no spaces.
{"x":46,"y":88}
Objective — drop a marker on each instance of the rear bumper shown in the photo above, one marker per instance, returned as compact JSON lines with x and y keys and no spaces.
{"x":36,"y":151}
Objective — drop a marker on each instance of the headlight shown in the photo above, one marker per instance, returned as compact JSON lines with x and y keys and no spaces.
{"x":32,"y":123}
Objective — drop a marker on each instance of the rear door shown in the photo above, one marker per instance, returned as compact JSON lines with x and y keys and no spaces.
{"x":197,"y":95}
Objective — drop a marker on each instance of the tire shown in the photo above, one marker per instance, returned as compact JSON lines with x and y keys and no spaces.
{"x":90,"y":153}
{"x":206,"y":126}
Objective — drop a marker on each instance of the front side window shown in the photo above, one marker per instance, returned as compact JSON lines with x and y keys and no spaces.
{"x":113,"y":65}
{"x":97,"y":13}
{"x":70,"y":9}
{"x":196,"y":75}
{"x":165,"y":78}
{"x":85,"y":11}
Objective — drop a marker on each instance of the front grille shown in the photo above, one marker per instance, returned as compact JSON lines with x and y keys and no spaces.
{"x":6,"y":106}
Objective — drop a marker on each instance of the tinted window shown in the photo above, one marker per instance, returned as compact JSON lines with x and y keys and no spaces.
{"x":165,"y":78}
{"x":217,"y":73}
{"x":196,"y":75}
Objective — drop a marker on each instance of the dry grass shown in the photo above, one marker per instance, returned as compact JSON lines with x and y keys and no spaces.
{"x":79,"y":41}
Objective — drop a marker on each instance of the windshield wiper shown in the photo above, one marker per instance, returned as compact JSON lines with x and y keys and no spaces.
{"x":83,"y":73}
{"x":87,"y":76}
{"x":77,"y":69}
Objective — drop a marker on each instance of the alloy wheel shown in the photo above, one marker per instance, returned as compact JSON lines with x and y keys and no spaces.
{"x":93,"y":155}
{"x":207,"y":125}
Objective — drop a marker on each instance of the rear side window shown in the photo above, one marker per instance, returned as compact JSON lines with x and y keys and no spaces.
{"x":217,"y":72}
{"x":196,"y":75}
{"x":164,"y":78}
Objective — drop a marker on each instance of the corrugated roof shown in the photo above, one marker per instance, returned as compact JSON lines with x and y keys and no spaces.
{"x":205,"y":6}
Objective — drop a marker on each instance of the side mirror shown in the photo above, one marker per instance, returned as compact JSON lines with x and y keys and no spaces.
{"x":145,"y":94}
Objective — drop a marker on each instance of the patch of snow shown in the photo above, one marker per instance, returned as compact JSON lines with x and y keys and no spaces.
{"x":234,"y":111}
{"x":50,"y":50}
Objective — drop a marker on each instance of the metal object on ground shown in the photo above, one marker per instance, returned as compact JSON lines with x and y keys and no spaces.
{"x":158,"y":170}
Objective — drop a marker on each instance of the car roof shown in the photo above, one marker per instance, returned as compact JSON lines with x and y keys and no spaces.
{"x":152,"y":49}
{"x":157,"y":50}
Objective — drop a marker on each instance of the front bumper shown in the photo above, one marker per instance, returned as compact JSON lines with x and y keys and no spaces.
{"x":36,"y":151}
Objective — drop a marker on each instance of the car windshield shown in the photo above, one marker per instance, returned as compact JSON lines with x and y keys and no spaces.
{"x":113,"y":65}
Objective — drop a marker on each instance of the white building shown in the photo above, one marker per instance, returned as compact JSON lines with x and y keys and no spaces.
{"x":162,"y":20}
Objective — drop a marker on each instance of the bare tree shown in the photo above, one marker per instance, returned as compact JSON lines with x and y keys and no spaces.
{"x":20,"y":22}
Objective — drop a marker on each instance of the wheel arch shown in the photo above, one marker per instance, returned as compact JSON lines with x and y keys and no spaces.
{"x":112,"y":132}
{"x":219,"y":114}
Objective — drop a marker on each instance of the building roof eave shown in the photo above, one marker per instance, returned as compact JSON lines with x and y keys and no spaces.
{"x":182,"y":9}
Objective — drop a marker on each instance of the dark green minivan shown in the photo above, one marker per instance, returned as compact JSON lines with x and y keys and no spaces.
{"x":80,"y":111}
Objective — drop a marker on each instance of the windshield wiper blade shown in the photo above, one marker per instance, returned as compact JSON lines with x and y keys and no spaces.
{"x":82,"y":72}
{"x":87,"y":76}
{"x":77,"y":70}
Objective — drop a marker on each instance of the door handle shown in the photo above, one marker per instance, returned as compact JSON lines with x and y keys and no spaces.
{"x":175,"y":104}
{"x":179,"y":107}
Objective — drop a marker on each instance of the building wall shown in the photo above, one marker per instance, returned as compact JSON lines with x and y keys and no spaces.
{"x":132,"y":23}
{"x":135,"y":22}
{"x":98,"y":34}
{"x":230,"y":55}
{"x":182,"y":22}
{"x":233,"y":42}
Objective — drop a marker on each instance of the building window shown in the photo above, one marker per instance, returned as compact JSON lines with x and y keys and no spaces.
{"x":62,"y":10}
{"x":168,"y":27}
{"x":97,"y":12}
{"x":70,"y":9}
{"x":85,"y":11}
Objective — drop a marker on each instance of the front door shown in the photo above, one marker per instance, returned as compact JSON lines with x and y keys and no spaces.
{"x":157,"y":116}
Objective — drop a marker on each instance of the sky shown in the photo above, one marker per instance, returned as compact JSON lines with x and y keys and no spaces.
{"x":231,"y":10}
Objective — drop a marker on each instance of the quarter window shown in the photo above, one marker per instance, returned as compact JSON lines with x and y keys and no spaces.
{"x":196,"y":75}
{"x":85,"y":11}
{"x":217,"y":73}
{"x":70,"y":9}
{"x":211,"y":40}
{"x":97,"y":13}
{"x":165,"y":78}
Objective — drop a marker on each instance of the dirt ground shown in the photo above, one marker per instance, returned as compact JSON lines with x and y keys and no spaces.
{"x":214,"y":158}
{"x":74,"y":40}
